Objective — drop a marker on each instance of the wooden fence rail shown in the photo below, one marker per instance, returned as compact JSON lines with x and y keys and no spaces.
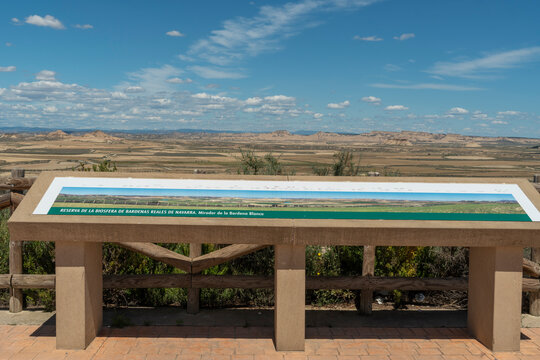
{"x":15,"y":281}
{"x":26,"y":281}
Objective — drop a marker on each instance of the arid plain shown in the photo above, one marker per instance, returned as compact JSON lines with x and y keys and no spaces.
{"x":386,"y":153}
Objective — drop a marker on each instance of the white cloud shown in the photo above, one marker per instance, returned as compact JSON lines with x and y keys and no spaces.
{"x":15,"y":20}
{"x":8,"y":44}
{"x":509,"y":113}
{"x":372,"y":100}
{"x":480,"y":116}
{"x":84,"y":26}
{"x":280,"y":98}
{"x":253,"y":101}
{"x":202,"y":96}
{"x":50,"y":109}
{"x":42,"y":90}
{"x":245,"y":37}
{"x":499,"y":122}
{"x":405,"y":36}
{"x":134,"y":89}
{"x":340,"y":105}
{"x":392,"y":67}
{"x":318,"y":115}
{"x":367,"y":38}
{"x":184,"y":57}
{"x":46,"y":75}
{"x":215,"y":98}
{"x":458,"y":111}
{"x":47,"y":21}
{"x":396,"y":108}
{"x":152,"y":79}
{"x":174,"y":33}
{"x":119,"y":95}
{"x":216,"y":73}
{"x":163,"y":102}
{"x":190,"y":113}
{"x":177,"y":80}
{"x":480,"y":67}
{"x":273,"y":105}
{"x":427,"y":86}
{"x":7,"y":68}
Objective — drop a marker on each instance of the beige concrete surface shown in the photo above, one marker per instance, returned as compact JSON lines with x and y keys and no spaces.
{"x":290,"y":297}
{"x":494,"y":303}
{"x":79,"y":293}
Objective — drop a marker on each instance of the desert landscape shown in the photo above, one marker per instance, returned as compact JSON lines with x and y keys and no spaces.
{"x":403,"y":153}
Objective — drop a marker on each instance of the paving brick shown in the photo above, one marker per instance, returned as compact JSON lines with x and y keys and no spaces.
{"x":254,"y":343}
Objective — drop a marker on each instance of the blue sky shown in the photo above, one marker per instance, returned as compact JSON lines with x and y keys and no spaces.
{"x":268,"y":194}
{"x":469,"y":67}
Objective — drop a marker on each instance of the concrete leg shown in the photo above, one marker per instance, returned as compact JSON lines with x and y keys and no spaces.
{"x":494,"y":311}
{"x":79,"y":293}
{"x":290,"y":297}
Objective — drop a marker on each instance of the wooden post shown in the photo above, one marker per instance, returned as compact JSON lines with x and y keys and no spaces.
{"x":494,"y":308}
{"x":368,"y":269}
{"x":534,"y":297}
{"x":290,"y":297}
{"x":193,"y":299}
{"x":15,"y":261}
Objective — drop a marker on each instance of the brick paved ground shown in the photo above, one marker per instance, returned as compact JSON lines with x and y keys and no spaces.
{"x":229,"y":343}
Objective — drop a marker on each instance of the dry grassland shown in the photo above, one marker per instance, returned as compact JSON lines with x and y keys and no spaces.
{"x":404,"y":153}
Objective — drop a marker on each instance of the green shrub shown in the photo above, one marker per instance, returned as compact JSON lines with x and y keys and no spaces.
{"x":102,"y":166}
{"x":344,"y":165}
{"x":251,"y":164}
{"x":4,"y":252}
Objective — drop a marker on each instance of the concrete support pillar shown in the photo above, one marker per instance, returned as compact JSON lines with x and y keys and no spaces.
{"x":290,"y":297}
{"x":495,"y":282}
{"x":79,"y":293}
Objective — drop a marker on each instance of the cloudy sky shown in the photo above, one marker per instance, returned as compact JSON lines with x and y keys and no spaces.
{"x":470,"y":67}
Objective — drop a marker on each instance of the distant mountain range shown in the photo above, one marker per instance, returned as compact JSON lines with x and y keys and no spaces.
{"x":401,"y":138}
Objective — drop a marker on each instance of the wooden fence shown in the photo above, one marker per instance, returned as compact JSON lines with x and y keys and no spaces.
{"x":15,"y":281}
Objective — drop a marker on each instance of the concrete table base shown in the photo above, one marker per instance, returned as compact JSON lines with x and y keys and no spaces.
{"x":495,"y":259}
{"x":290,"y":297}
{"x":494,"y":310}
{"x":79,"y":293}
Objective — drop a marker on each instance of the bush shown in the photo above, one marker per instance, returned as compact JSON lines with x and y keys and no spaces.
{"x":344,"y":165}
{"x":251,"y":164}
{"x":4,"y":252}
{"x":102,"y":166}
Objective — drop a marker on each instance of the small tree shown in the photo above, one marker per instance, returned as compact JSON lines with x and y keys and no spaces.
{"x":321,"y":171}
{"x":343,"y":165}
{"x":102,"y":166}
{"x":272,"y":166}
{"x":251,"y":164}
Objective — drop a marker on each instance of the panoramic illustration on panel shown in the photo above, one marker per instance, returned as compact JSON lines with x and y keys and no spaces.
{"x":287,"y":204}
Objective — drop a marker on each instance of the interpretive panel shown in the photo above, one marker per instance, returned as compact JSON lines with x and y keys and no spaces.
{"x":286,"y":199}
